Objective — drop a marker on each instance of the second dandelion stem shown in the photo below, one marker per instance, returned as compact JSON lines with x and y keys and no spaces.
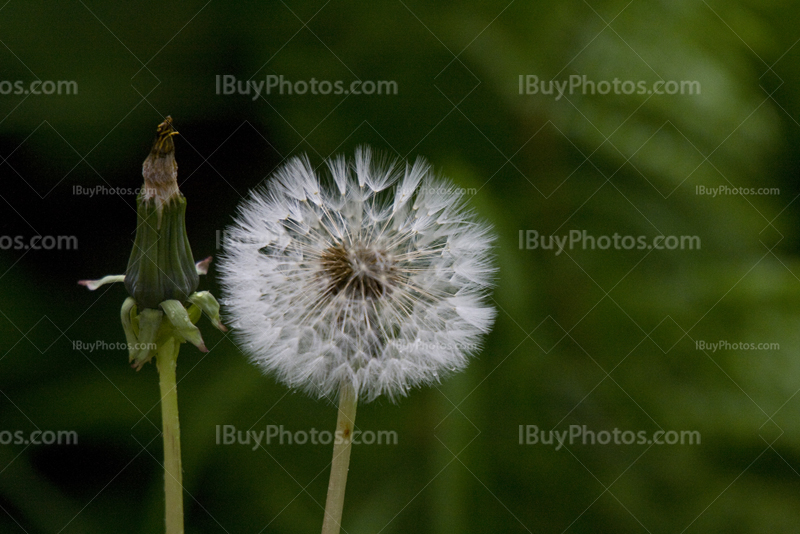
{"x":173,"y":475}
{"x":345,"y":424}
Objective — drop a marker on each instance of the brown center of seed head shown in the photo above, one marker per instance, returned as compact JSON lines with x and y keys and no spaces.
{"x":357,"y":271}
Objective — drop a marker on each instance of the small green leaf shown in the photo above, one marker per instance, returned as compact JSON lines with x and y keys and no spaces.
{"x":127,"y":313}
{"x":179,"y":318}
{"x":206,"y":302}
{"x":149,"y":323}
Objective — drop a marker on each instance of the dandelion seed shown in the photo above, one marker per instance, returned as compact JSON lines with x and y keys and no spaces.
{"x":345,"y":278}
{"x":367,"y":281}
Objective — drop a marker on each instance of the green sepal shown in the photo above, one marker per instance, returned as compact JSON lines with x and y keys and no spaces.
{"x":209,"y":305}
{"x":179,"y":318}
{"x":127,"y":314}
{"x":161,"y":266}
{"x":194,"y":313}
{"x":149,"y":322}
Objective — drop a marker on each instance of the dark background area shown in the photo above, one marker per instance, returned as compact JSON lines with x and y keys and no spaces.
{"x":606,"y":339}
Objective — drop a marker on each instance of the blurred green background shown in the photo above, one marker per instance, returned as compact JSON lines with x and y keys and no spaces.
{"x":602,"y":338}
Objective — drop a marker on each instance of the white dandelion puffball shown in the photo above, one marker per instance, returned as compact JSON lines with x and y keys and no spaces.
{"x":373,"y":273}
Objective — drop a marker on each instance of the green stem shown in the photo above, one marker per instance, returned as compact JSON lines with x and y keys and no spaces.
{"x":173,"y":475}
{"x":345,"y":423}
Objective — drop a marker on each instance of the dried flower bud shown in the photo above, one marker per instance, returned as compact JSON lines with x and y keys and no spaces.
{"x":160,"y":170}
{"x":161,"y":266}
{"x":162,"y":276}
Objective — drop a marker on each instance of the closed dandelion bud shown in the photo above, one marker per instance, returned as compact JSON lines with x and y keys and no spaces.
{"x":162,"y":277}
{"x":161,"y":266}
{"x":163,"y":308}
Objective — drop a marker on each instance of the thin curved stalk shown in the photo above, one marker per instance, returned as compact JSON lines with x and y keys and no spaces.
{"x":173,"y":475}
{"x":345,"y":424}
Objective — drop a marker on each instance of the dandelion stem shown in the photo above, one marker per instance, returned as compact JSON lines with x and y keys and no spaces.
{"x":345,"y":424}
{"x":173,"y":475}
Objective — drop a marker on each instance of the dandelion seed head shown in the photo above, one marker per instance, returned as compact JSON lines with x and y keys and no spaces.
{"x":372,"y":271}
